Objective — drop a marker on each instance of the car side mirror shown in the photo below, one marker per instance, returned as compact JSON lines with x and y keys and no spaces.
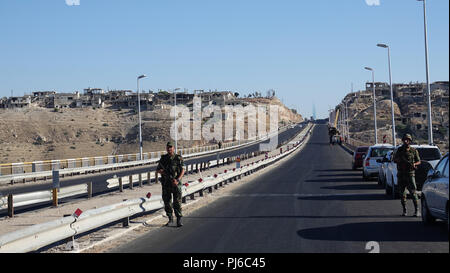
{"x":433,"y":174}
{"x":437,"y":174}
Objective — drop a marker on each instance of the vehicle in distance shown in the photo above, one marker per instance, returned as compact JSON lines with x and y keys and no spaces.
{"x":370,"y":164}
{"x":336,"y":140}
{"x":435,"y":193}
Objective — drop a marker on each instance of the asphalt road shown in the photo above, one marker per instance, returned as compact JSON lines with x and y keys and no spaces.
{"x":312,"y":203}
{"x":99,"y":179}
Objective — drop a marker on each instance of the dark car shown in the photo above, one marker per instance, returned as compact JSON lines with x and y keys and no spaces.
{"x":358,"y":157}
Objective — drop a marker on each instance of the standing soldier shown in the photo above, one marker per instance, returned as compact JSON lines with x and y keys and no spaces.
{"x":171,"y":167}
{"x":407,"y":159}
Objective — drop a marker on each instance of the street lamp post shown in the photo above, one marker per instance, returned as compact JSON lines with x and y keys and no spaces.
{"x":139,"y":114}
{"x":392,"y":93}
{"x":374,"y":103}
{"x":430,"y":122}
{"x":346,"y":120}
{"x":176,"y":115}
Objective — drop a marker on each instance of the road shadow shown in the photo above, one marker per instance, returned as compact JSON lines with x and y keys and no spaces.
{"x":354,"y":187}
{"x":378,"y":231}
{"x":346,"y":197}
{"x":296,"y":217}
{"x":340,"y":174}
{"x":336,"y":180}
{"x":337,"y":170}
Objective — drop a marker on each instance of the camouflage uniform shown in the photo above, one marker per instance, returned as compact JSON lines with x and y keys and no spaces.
{"x":405,"y":160}
{"x":172,"y":166}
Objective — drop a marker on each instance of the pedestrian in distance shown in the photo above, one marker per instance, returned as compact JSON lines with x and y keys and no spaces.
{"x":171,"y":168}
{"x":407,"y":159}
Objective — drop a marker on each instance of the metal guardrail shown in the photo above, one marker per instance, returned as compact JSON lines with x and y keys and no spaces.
{"x":41,"y":235}
{"x":6,"y":179}
{"x":27,"y":199}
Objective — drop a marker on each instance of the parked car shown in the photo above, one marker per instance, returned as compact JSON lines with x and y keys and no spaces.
{"x":435,"y":194}
{"x":370,"y":164}
{"x":336,"y":140}
{"x":358,"y":157}
{"x":382,"y":170}
{"x":429,"y":155}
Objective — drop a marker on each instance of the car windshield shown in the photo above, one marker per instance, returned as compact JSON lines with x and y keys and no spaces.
{"x":362,"y":149}
{"x":379,"y":152}
{"x":429,"y":154}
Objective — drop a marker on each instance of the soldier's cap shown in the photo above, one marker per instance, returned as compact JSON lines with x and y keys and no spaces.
{"x":169,"y":144}
{"x":407,"y":136}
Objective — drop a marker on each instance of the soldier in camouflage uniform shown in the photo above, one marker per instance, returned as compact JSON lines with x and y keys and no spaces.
{"x":171,"y":167}
{"x":407,"y":159}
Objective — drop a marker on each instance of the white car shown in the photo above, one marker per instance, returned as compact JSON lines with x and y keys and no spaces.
{"x":370,"y":164}
{"x":382,"y":170}
{"x":430,"y":154}
{"x":435,"y":193}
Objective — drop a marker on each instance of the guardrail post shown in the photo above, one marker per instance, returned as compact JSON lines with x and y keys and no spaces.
{"x":130,"y":178}
{"x":126,"y":222}
{"x":201,"y":193}
{"x":149,"y":178}
{"x":140,"y":180}
{"x":192,"y":197}
{"x":10,"y":205}
{"x":89,"y":190}
{"x":183,"y":200}
{"x":55,"y":197}
{"x":210,"y":190}
{"x":120,"y":184}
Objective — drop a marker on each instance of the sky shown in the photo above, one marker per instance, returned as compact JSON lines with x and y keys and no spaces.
{"x":310,"y":52}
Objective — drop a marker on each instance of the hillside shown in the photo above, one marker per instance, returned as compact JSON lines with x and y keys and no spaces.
{"x":410,"y":117}
{"x":36,"y":133}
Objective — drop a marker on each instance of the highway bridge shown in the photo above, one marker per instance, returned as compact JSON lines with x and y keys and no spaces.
{"x":309,"y":201}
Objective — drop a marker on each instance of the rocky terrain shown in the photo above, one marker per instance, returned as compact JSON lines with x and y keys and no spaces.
{"x":35,"y":133}
{"x":410,"y":116}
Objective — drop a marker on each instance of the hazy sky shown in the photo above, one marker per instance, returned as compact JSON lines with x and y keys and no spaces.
{"x":308,"y":51}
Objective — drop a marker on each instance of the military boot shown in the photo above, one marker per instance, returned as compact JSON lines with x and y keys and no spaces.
{"x":170,"y":221}
{"x":179,"y":223}
{"x":416,"y":212}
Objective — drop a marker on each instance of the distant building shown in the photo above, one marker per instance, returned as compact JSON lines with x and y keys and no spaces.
{"x":382,"y":89}
{"x":64,"y":100}
{"x":410,"y":90}
{"x":43,"y":94}
{"x":441,"y":85}
{"x":16,"y":102}
{"x":146,"y":100}
{"x":93,"y":91}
